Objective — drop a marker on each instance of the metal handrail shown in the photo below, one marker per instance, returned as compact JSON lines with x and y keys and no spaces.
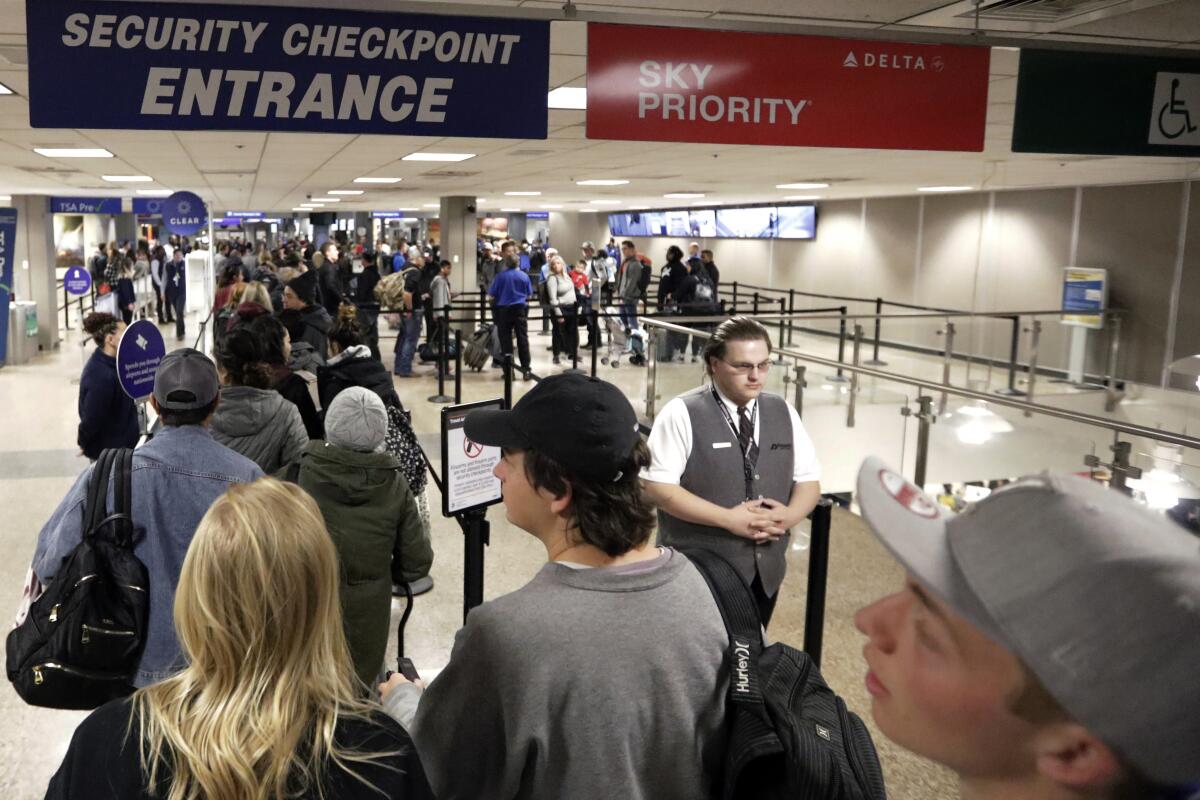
{"x":971,"y":394}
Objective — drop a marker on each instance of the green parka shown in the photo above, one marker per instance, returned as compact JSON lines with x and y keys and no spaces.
{"x":372,"y":516}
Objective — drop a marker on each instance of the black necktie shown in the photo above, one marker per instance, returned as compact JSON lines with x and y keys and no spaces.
{"x":746,"y":436}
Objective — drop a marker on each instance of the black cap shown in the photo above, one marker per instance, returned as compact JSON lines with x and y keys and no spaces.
{"x":585,"y":424}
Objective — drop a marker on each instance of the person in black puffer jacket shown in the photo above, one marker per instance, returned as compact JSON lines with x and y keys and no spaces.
{"x":351,"y":363}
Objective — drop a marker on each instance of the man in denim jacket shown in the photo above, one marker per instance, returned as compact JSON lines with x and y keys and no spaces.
{"x":176,"y":477}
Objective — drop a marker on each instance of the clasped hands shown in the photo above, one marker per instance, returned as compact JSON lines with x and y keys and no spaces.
{"x":760,"y":520}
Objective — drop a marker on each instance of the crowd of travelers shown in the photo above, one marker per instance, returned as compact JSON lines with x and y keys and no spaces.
{"x":1037,"y":648}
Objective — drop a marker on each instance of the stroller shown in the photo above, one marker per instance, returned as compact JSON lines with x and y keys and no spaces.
{"x":621,"y":340}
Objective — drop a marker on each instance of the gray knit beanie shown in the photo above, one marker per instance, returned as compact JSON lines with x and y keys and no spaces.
{"x":356,"y":420}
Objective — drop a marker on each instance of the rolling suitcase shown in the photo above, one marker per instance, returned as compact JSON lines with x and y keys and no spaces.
{"x":479,"y":347}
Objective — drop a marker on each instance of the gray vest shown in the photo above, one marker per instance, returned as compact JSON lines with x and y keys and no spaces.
{"x":715,"y":474}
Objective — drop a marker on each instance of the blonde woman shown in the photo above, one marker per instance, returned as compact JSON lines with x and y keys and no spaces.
{"x":560,"y":290}
{"x":268,"y":706}
{"x":256,"y":292}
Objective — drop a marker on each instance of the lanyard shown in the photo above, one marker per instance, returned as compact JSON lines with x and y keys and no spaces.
{"x":747,"y":466}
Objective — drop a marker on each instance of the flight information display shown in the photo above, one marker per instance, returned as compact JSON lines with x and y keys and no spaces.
{"x":754,"y":222}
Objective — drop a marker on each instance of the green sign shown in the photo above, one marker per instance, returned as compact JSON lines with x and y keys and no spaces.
{"x":31,"y":326}
{"x":1106,"y":104}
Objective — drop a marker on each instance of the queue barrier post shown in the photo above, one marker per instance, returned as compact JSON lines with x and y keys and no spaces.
{"x":1110,"y":381}
{"x":66,"y":307}
{"x":507,"y":360}
{"x":858,"y":336}
{"x":791,"y":323}
{"x":925,"y":418}
{"x":1035,"y":337}
{"x":652,"y":334}
{"x":735,"y":295}
{"x":1014,"y":348}
{"x":947,"y":362}
{"x":876,"y":361}
{"x":443,"y":358}
{"x":755,"y":305}
{"x":818,"y":577}
{"x":782,"y":328}
{"x":458,"y":353}
{"x":839,"y":377}
{"x":477,"y":532}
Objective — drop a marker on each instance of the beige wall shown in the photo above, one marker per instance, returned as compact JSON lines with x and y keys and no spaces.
{"x":993,"y":251}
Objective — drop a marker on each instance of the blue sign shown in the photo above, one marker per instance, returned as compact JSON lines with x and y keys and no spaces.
{"x":85,"y":205}
{"x":1085,"y":295}
{"x":138,"y":354}
{"x":152,"y":207}
{"x":8,"y":246}
{"x":184,"y":213}
{"x":219,"y":67}
{"x":538,"y":215}
{"x":77,"y":281}
{"x":387,"y":214}
{"x":245,"y":214}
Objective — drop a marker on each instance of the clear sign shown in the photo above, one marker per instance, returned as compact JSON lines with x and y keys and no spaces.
{"x":77,"y":281}
{"x":467,"y":480}
{"x":1084,"y":290}
{"x":193,"y":66}
{"x":184,"y":213}
{"x":138,"y":354}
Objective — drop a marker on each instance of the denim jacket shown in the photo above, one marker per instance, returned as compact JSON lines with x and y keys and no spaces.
{"x":176,"y":476}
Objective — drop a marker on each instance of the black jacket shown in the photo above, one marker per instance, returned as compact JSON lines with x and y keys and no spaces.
{"x":317,"y":323}
{"x":107,"y":417}
{"x":330,"y":286}
{"x":294,"y":389}
{"x":673,"y":277}
{"x":357,"y":368}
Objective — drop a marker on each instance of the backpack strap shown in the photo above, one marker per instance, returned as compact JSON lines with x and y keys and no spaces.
{"x":740,"y":615}
{"x":96,"y":508}
{"x":123,"y":496}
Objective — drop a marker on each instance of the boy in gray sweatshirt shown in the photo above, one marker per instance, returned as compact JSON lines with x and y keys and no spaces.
{"x":605,"y":675}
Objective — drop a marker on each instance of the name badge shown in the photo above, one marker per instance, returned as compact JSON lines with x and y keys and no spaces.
{"x":718,"y":445}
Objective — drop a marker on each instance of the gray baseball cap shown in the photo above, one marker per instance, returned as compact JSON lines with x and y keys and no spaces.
{"x":185,"y":380}
{"x":1097,"y":595}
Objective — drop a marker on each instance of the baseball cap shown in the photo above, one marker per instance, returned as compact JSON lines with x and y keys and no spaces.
{"x":585,"y":424}
{"x":185,"y":380}
{"x":587,"y":246}
{"x":1097,"y":595}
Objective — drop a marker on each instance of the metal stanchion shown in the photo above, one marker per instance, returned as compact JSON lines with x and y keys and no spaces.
{"x":818,"y":575}
{"x":651,"y":370}
{"x":925,"y":418}
{"x":791,"y":316}
{"x":599,"y":338}
{"x":1110,"y":381}
{"x":443,"y":357}
{"x":458,"y":354}
{"x":66,"y":307}
{"x":840,"y":378}
{"x":755,"y":306}
{"x":1014,"y":350}
{"x":507,"y":360}
{"x":947,"y":360}
{"x":801,"y":385}
{"x":1031,"y":381}
{"x":735,"y":294}
{"x":477,"y":531}
{"x":875,"y":360}
{"x":782,"y":328}
{"x":858,"y":334}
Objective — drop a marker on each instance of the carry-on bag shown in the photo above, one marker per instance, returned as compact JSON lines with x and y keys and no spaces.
{"x":81,"y":642}
{"x":790,"y":735}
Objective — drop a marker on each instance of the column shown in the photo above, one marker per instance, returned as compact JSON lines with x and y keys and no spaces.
{"x":458,"y":235}
{"x":33,"y":271}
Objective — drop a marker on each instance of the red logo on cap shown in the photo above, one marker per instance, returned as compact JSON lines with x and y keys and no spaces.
{"x":907,"y":495}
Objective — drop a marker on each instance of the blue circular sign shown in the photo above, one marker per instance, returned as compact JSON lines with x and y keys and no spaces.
{"x":184,"y":213}
{"x":138,"y":354}
{"x":77,"y":281}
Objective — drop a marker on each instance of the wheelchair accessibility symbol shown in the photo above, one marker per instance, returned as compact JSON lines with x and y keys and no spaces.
{"x":1176,"y":99}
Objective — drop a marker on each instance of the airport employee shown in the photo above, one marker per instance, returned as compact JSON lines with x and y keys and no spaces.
{"x":732,"y":468}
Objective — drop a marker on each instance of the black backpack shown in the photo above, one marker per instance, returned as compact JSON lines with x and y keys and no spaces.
{"x":646,"y":274}
{"x":82,"y":641}
{"x":790,"y":735}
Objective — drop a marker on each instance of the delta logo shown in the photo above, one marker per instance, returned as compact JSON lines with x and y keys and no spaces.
{"x":897,"y":61}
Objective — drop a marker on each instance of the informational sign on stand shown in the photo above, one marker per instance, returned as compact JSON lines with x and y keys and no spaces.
{"x":8,"y":245}
{"x":138,"y":354}
{"x":184,"y":213}
{"x":1085,"y":293}
{"x":467,"y":480}
{"x":77,"y":281}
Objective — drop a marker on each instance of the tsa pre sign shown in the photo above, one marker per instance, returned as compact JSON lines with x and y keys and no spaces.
{"x":679,"y":85}
{"x":173,"y":66}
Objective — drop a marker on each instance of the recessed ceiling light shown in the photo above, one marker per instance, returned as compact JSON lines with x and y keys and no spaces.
{"x":4,"y":89}
{"x":72,"y":152}
{"x":684,"y":195}
{"x":605,"y":202}
{"x":432,"y":205}
{"x":126,"y":178}
{"x":550,"y":205}
{"x":802,"y":197}
{"x":603,"y":182}
{"x":155,"y":192}
{"x":5,"y":198}
{"x":481,"y":199}
{"x":511,"y":210}
{"x":522,"y":194}
{"x":328,"y":199}
{"x":312,"y":205}
{"x":802,"y":186}
{"x":377,"y":180}
{"x":427,"y":156}
{"x":569,"y":97}
{"x":944,"y":188}
{"x":345,"y":191}
{"x":301,"y":208}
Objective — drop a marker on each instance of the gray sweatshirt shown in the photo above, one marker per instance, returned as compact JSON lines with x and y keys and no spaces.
{"x":561,"y":291}
{"x":631,"y":272}
{"x":439,"y":290}
{"x":584,"y":683}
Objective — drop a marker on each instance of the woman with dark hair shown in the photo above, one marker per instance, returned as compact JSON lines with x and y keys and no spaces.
{"x":107,"y":416}
{"x":351,"y":364}
{"x":231,"y":275}
{"x":126,"y":294}
{"x":251,"y":419}
{"x":277,"y":349}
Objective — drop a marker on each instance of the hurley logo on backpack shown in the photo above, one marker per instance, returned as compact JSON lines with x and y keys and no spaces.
{"x":80,"y":645}
{"x":790,"y":735}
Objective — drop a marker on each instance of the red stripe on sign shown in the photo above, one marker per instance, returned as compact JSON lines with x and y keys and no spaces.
{"x":683,"y":85}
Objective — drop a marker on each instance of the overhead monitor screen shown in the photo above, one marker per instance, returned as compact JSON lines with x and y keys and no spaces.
{"x":656,"y":223}
{"x":617,"y":225}
{"x":797,"y":222}
{"x":678,"y":223}
{"x":702,"y":223}
{"x":747,"y":223}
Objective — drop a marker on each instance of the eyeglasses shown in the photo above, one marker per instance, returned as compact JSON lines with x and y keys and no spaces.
{"x":742,"y":368}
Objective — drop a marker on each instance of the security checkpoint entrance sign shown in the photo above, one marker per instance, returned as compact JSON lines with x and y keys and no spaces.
{"x":191,"y":66}
{"x":138,"y":354}
{"x":467,"y":480}
{"x":687,"y":85}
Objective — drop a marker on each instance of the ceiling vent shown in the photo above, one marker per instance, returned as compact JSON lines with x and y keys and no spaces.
{"x":1030,"y":16}
{"x":229,"y":172}
{"x":1039,"y":11}
{"x":449,"y":173}
{"x":52,"y":171}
